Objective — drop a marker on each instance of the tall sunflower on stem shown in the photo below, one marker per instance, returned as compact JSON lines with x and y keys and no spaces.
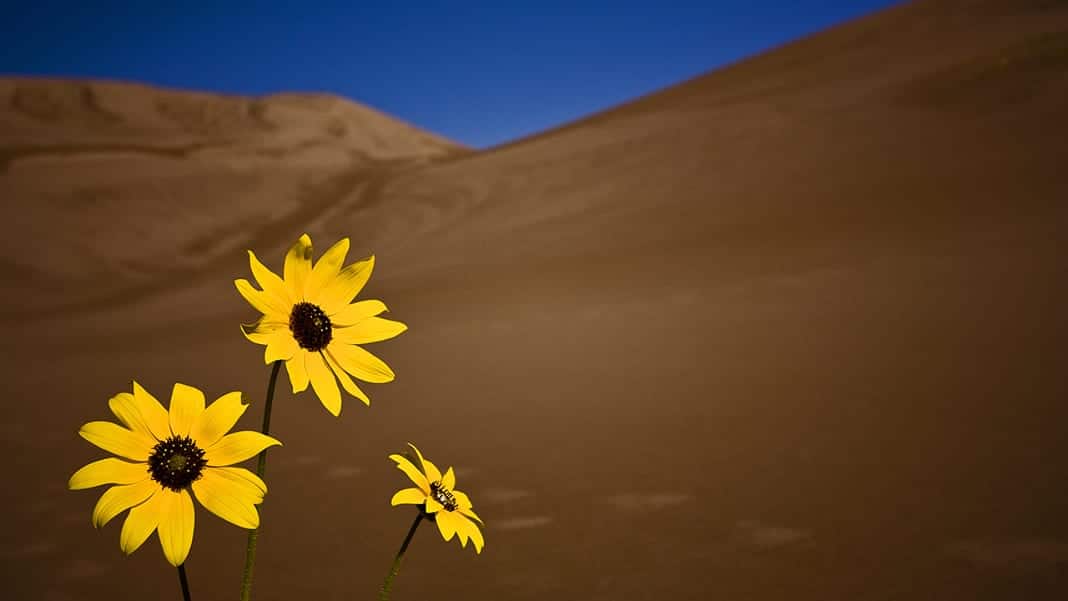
{"x":310,"y":324}
{"x":166,"y":458}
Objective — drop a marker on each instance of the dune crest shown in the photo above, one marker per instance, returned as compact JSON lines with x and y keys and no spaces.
{"x":41,"y":114}
{"x":168,"y":178}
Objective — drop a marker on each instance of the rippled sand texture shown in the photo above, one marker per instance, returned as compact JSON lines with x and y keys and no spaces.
{"x":794,"y":329}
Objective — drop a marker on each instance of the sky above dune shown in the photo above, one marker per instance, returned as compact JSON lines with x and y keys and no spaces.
{"x":480,"y":73}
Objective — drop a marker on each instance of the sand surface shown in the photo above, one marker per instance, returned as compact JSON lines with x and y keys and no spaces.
{"x":795,"y":329}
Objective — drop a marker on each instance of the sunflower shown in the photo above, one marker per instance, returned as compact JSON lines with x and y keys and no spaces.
{"x":439,"y":499}
{"x":310,"y":322}
{"x":170,"y":454}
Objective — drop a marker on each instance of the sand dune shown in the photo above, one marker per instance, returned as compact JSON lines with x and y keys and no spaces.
{"x":195,"y":174}
{"x":794,"y":329}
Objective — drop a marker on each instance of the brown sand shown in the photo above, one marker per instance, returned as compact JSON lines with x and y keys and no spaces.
{"x":795,"y":329}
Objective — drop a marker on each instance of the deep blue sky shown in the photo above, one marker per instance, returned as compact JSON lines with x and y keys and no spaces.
{"x":481,"y":73}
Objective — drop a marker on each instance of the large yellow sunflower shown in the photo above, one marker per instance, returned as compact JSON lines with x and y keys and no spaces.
{"x":171,"y":453}
{"x":310,"y":322}
{"x":439,"y":499}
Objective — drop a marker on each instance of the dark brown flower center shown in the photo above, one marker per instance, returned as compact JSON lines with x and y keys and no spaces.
{"x":176,"y":462}
{"x":310,"y":326}
{"x":443,"y":495}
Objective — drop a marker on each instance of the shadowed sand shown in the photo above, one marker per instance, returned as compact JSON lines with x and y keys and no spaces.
{"x":794,"y":329}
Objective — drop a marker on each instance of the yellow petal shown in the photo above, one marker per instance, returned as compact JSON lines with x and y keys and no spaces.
{"x":322,"y":380}
{"x":298,"y":375}
{"x":463,"y":528}
{"x":412,"y":472}
{"x":269,"y":281}
{"x":262,"y":329}
{"x":476,"y":537}
{"x":187,"y":403}
{"x":326,"y":270}
{"x":176,"y":523}
{"x":113,"y":438}
{"x":361,"y":363}
{"x":281,"y":346}
{"x":267,"y":324}
{"x":152,"y":412}
{"x":462,"y":501}
{"x":108,"y":471}
{"x":348,"y":283}
{"x":117,"y":499}
{"x":125,"y":409}
{"x":217,"y":419}
{"x":408,"y":496}
{"x":271,"y":306}
{"x":227,"y":498}
{"x":252,"y":333}
{"x":298,"y":267}
{"x":432,"y":506}
{"x":355,"y":313}
{"x":371,"y":329}
{"x":431,"y":470}
{"x":343,"y":377}
{"x":236,"y":447}
{"x":140,"y":523}
{"x":449,"y":479}
{"x":469,"y":512}
{"x":252,"y":485}
{"x":446,"y":524}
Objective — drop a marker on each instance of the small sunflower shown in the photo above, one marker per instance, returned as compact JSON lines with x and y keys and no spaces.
{"x":440,"y":501}
{"x":171,"y":453}
{"x":310,"y":322}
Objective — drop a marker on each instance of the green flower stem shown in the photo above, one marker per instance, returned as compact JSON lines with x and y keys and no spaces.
{"x":388,"y":584}
{"x":261,"y":468}
{"x":184,"y":582}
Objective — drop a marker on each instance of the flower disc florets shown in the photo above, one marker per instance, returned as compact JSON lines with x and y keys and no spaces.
{"x":443,"y":495}
{"x":176,"y":462}
{"x":310,"y":326}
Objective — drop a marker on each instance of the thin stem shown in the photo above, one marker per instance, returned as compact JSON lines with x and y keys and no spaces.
{"x":184,"y":582}
{"x":261,"y":468}
{"x":388,"y":584}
